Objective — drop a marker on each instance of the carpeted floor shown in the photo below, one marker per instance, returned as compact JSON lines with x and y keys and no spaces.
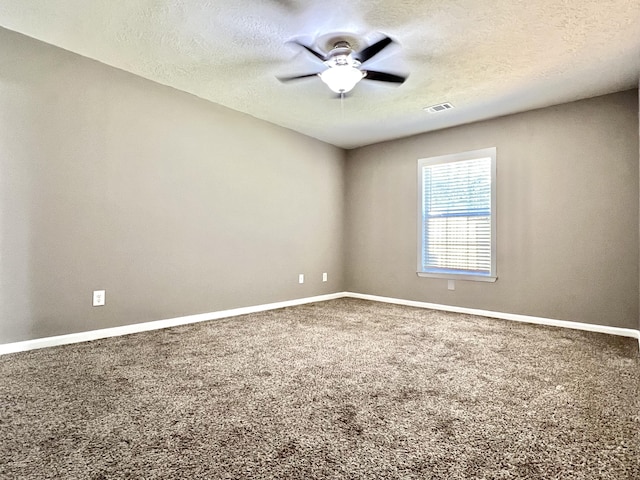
{"x":344,"y":389}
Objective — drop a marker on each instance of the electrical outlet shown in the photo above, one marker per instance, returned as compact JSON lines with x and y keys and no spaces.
{"x":451,"y":285}
{"x":324,"y":277}
{"x":98,"y":298}
{"x":301,"y":278}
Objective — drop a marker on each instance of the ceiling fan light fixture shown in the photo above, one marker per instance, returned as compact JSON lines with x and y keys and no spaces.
{"x":341,"y":79}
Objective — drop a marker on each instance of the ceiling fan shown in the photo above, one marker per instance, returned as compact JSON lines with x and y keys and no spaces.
{"x":344,"y":66}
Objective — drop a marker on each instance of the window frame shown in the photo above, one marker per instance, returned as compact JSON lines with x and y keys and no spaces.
{"x":450,"y":158}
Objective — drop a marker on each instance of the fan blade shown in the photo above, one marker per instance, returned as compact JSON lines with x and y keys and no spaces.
{"x":384,"y":77}
{"x":296,"y":77}
{"x":310,"y":50}
{"x":372,"y":50}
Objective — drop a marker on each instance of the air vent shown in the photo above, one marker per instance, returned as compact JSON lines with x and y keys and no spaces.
{"x":441,"y":107}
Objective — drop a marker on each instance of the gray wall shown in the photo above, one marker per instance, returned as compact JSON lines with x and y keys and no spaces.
{"x":173,"y":205}
{"x":176,"y":206}
{"x":567,"y":193}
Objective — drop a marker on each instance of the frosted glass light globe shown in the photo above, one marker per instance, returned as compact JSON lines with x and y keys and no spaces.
{"x":342,"y":78}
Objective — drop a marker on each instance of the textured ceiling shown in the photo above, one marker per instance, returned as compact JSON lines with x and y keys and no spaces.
{"x":487,"y":58}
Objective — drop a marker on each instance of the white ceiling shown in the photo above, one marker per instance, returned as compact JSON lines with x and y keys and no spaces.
{"x":487,"y":58}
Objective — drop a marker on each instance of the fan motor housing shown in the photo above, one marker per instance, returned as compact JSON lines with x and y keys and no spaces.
{"x":341,"y":55}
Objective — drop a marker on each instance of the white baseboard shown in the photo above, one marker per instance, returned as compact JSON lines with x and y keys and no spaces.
{"x":624,"y":332}
{"x":155,"y":325}
{"x":203,"y":317}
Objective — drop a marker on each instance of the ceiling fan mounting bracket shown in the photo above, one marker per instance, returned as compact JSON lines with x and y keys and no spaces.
{"x":341,"y":44}
{"x":328,"y":42}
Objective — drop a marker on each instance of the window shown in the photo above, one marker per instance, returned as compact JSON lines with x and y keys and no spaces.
{"x":456,"y":208}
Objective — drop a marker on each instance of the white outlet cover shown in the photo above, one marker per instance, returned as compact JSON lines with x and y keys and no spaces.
{"x":301,"y":278}
{"x":98,"y":298}
{"x":324,"y":277}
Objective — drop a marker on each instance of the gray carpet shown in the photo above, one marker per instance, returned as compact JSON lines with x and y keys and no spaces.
{"x":345,"y":389}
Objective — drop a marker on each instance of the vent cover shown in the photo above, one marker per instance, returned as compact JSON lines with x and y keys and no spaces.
{"x":440,"y":107}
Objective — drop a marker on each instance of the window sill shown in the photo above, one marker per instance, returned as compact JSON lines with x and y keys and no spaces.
{"x":456,"y":276}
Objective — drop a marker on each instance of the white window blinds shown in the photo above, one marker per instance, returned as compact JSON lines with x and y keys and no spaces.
{"x":457,"y":224}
